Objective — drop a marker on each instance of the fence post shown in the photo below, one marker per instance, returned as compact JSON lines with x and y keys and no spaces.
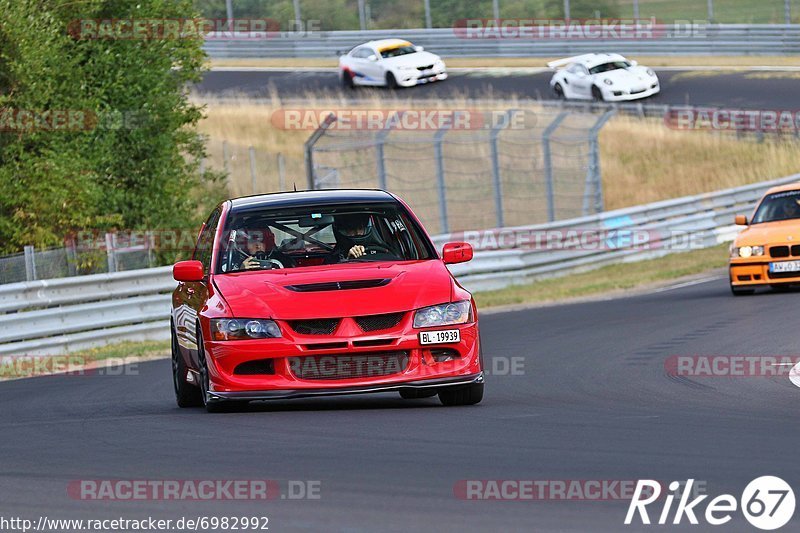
{"x":281,"y":172}
{"x":308,"y":147}
{"x":498,"y":183}
{"x":711,"y":10}
{"x":380,"y":138}
{"x":225,"y":163}
{"x":548,"y":164}
{"x":30,"y":263}
{"x":427,"y":13}
{"x":252,"y":153}
{"x":72,"y":256}
{"x":110,"y":253}
{"x":593,"y":177}
{"x":439,"y":155}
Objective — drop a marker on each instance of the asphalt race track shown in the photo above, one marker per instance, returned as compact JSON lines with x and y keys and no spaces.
{"x":749,"y":90}
{"x":593,"y":401}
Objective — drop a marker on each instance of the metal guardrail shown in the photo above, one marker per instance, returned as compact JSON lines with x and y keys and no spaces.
{"x":710,"y":39}
{"x":54,"y":316}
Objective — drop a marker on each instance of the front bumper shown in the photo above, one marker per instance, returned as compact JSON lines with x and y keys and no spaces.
{"x":346,"y":348}
{"x":411,"y":78}
{"x":750,"y":273}
{"x":335,"y":391}
{"x":610,"y":94}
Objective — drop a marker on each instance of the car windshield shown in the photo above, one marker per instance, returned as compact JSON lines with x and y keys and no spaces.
{"x":612,"y":65}
{"x":398,"y":51}
{"x":778,"y":206}
{"x":269,"y":238}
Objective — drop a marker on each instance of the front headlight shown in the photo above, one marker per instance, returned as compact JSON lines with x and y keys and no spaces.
{"x":651,"y":73}
{"x":443,"y":315}
{"x":608,"y":81}
{"x":407,"y":67}
{"x":229,"y":329}
{"x":747,"y":251}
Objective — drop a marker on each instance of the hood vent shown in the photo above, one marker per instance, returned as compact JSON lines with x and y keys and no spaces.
{"x":339,"y":285}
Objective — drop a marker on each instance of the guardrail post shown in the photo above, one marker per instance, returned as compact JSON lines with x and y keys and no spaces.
{"x":498,"y":182}
{"x":308,"y":147}
{"x":30,"y":263}
{"x":439,"y":156}
{"x":110,"y":253}
{"x":548,"y":164}
{"x":252,"y":153}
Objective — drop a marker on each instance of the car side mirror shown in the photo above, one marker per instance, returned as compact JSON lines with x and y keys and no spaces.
{"x":372,"y":57}
{"x":419,"y":48}
{"x":740,"y":220}
{"x":187,"y":271}
{"x":456,"y":252}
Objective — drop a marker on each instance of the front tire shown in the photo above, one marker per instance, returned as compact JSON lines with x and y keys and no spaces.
{"x":461,"y":395}
{"x":391,"y":81}
{"x":559,"y":90}
{"x":736,"y":291}
{"x":212,"y":405}
{"x":186,"y":395}
{"x":597,"y":94}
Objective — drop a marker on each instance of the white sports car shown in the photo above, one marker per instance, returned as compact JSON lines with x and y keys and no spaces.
{"x":602,"y":77}
{"x":390,"y":63}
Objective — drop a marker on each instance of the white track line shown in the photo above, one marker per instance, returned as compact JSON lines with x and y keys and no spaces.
{"x":689,"y":283}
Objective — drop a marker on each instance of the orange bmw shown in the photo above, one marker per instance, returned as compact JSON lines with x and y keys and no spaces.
{"x":767,"y":252}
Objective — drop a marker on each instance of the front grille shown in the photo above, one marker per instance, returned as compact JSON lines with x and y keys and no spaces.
{"x":318,"y":326}
{"x":378,"y":322}
{"x":256,"y":367}
{"x":426,"y":67}
{"x":339,"y":285}
{"x":781,"y":275}
{"x":779,"y":251}
{"x":348,"y":366}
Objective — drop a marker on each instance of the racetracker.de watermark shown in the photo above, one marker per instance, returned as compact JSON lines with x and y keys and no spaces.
{"x":351,"y":119}
{"x":739,"y":120}
{"x":575,"y":29}
{"x":15,"y":120}
{"x":731,"y":366}
{"x":550,"y":489}
{"x":193,"y":489}
{"x":27,"y":366}
{"x":174,"y":28}
{"x":581,"y":239}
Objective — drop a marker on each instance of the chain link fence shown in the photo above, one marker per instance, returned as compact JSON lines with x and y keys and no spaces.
{"x":518,"y":168}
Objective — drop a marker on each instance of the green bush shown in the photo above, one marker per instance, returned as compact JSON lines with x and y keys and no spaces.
{"x":133,"y":163}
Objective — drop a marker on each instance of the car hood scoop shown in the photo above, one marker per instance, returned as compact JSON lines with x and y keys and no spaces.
{"x":335,"y":291}
{"x":339,"y":285}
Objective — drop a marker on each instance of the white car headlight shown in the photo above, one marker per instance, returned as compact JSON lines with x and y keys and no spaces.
{"x":443,"y":315}
{"x":608,"y":81}
{"x":747,"y":251}
{"x":651,"y":73}
{"x":406,"y":67}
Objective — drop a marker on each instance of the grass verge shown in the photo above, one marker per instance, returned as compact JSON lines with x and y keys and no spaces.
{"x":608,"y":279}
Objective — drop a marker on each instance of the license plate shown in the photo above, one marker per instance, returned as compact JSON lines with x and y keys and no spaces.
{"x":785,"y":266}
{"x":439,"y":337}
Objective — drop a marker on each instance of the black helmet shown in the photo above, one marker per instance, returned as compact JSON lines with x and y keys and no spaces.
{"x":352,"y":227}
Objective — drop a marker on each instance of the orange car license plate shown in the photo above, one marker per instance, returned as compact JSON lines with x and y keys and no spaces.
{"x":785,"y":266}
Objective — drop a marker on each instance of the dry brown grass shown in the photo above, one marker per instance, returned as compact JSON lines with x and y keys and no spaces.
{"x":644,"y":161}
{"x":641,"y":160}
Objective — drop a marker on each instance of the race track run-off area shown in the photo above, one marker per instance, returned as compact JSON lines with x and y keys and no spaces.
{"x":575,"y":392}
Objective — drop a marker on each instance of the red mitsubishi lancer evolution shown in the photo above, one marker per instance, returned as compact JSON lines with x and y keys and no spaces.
{"x":300,"y":294}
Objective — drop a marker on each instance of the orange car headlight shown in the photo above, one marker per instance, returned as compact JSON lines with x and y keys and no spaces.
{"x":747,"y":251}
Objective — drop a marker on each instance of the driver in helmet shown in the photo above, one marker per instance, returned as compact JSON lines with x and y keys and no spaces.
{"x":258,"y":251}
{"x":355,"y":237}
{"x":790,"y":208}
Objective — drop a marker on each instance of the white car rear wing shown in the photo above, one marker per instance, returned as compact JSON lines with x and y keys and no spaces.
{"x":559,"y":63}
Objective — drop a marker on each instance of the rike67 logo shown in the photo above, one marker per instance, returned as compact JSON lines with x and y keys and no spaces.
{"x":767,"y":503}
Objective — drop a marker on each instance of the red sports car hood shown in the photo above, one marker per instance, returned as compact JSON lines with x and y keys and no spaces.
{"x":336,"y":291}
